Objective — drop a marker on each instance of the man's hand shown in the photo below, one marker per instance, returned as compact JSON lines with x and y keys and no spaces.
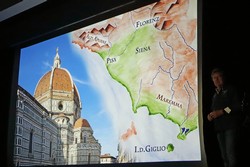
{"x":214,"y":114}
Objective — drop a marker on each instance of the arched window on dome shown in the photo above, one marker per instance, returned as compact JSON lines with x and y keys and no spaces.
{"x":84,"y":139}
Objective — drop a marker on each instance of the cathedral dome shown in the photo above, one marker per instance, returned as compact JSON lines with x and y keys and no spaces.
{"x":81,"y":123}
{"x":56,"y":80}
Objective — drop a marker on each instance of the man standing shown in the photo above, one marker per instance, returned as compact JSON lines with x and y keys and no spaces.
{"x":226,"y":116}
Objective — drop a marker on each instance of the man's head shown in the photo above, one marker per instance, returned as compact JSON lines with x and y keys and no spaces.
{"x":217,"y":76}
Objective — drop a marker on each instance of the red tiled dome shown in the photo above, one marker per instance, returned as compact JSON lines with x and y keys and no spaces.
{"x":81,"y":123}
{"x":57,"y":79}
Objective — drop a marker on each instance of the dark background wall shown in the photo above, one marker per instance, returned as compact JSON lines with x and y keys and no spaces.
{"x":224,"y":44}
{"x":225,"y":34}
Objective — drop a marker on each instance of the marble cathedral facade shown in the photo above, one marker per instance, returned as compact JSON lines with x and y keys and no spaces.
{"x":49,"y":127}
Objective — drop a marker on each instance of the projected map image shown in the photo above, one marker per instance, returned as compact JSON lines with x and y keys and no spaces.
{"x":144,"y":65}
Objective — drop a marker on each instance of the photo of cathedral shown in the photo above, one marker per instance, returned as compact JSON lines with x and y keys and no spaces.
{"x":49,"y":127}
